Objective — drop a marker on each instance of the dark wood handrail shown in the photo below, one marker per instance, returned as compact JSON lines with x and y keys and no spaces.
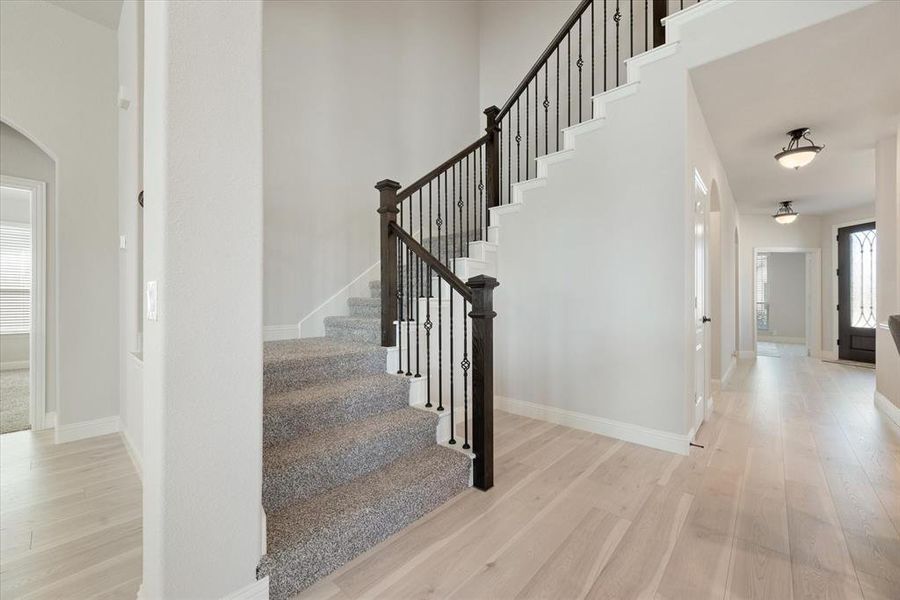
{"x":443,"y":272}
{"x":421,"y":181}
{"x":545,"y":55}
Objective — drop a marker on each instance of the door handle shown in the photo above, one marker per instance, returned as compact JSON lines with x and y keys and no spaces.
{"x":706,"y":319}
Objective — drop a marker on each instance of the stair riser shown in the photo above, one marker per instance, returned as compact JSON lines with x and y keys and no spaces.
{"x":294,"y":570}
{"x":302,"y":480}
{"x":294,"y":374}
{"x":365,"y":310}
{"x":357,"y":334}
{"x":285,"y":423}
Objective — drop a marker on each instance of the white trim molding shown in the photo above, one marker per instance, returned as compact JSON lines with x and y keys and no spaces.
{"x":280,"y":332}
{"x":14,"y":365}
{"x":313,"y":324}
{"x":637,"y":434}
{"x":37,"y":341}
{"x":133,"y":454}
{"x":258,"y":590}
{"x":890,"y":409}
{"x":71,"y":432}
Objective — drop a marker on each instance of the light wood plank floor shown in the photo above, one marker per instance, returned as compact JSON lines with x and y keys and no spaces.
{"x":796,"y":494}
{"x":70,"y":518}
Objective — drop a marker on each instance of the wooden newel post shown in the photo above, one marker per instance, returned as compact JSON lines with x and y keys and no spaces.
{"x":388,"y":210}
{"x":492,"y":159}
{"x":660,"y":12}
{"x":483,"y":378}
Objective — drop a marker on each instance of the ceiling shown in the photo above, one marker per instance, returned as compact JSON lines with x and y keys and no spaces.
{"x":840,"y":78}
{"x":103,"y":12}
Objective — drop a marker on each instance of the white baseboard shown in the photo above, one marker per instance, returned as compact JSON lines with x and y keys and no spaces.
{"x":637,"y":434}
{"x":71,"y":432}
{"x":258,"y":590}
{"x":13,"y":365}
{"x":729,"y":371}
{"x":746,"y":354}
{"x":781,"y":339}
{"x":887,"y":407}
{"x":134,"y":454}
{"x":313,"y":324}
{"x":280,"y":332}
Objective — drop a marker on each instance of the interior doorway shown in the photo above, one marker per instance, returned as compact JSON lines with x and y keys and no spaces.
{"x":702,"y":354}
{"x":22,"y":268}
{"x":787,"y":302}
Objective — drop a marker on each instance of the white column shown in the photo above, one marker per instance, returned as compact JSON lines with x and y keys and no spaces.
{"x":887,"y":222}
{"x":203,"y":248}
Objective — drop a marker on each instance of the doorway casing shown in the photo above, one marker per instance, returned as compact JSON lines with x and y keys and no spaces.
{"x":37,"y":341}
{"x":813,"y":294}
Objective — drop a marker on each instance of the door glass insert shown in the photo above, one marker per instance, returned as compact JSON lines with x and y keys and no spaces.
{"x":863,"y":253}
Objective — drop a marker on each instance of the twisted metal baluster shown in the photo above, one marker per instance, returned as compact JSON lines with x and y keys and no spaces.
{"x":518,"y":150}
{"x":418,"y":288}
{"x":527,"y":105}
{"x":452,"y":217}
{"x":579,"y":63}
{"x":465,"y":364}
{"x":450,"y":371}
{"x":546,"y":107}
{"x":617,"y":17}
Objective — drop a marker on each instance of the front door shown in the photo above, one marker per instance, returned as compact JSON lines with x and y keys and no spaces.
{"x":701,"y":369}
{"x":857,"y":253}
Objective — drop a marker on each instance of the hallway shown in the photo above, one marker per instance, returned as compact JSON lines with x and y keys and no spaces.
{"x":797,"y":494}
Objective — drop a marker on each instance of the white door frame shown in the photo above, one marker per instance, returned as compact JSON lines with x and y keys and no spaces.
{"x":37,"y":341}
{"x":813,"y":309}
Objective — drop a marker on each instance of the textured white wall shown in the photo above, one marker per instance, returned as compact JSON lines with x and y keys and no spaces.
{"x":204,"y":248}
{"x":787,"y":295}
{"x":130,"y":56}
{"x":354,"y":92}
{"x":58,"y":74}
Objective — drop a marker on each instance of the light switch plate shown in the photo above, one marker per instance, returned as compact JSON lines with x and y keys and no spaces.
{"x":151,"y":301}
{"x":123,"y":242}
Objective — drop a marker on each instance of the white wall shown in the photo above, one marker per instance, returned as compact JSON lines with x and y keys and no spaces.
{"x":354,"y":92}
{"x":58,"y":87}
{"x":204,"y":249}
{"x":20,"y":157}
{"x":130,"y":56}
{"x":887,"y":207}
{"x":787,"y":297}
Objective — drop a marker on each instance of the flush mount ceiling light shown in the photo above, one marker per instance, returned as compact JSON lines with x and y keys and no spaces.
{"x":785,"y":214}
{"x":794,"y":155}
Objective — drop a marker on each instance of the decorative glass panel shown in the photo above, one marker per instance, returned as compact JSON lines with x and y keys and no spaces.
{"x":863,"y":252}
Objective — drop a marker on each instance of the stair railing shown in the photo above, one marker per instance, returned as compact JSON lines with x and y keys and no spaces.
{"x":429,"y":225}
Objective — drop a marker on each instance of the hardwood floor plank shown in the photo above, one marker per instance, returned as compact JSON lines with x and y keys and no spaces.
{"x":757,"y":572}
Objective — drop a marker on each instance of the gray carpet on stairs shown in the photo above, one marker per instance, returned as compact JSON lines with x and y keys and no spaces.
{"x":346,"y":461}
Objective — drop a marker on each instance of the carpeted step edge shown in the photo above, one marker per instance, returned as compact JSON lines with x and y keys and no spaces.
{"x":309,"y":540}
{"x":289,"y":366}
{"x":313,"y":464}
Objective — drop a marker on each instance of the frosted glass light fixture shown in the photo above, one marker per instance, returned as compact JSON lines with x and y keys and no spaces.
{"x":785,"y":214}
{"x":794,"y":156}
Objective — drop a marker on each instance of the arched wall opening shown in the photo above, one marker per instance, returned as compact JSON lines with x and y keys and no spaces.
{"x":28,"y":163}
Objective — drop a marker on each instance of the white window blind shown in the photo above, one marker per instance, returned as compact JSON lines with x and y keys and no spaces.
{"x":15,"y":277}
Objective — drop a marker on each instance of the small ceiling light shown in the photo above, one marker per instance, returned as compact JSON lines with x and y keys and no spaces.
{"x":785,"y":214}
{"x":794,"y":155}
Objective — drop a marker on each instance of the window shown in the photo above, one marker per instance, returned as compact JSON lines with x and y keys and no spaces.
{"x":762,"y":292}
{"x":863,"y":252}
{"x":15,"y":277}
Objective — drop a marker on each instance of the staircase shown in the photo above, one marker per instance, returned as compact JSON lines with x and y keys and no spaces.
{"x":391,"y":413}
{"x":346,"y":460}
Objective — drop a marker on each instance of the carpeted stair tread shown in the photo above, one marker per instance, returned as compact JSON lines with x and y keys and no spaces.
{"x":365,"y":307}
{"x":314,"y":463}
{"x":292,"y":364}
{"x":325,"y":405}
{"x":362,"y":329}
{"x":309,"y":539}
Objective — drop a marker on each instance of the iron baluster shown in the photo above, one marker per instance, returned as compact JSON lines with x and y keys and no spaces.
{"x":399,"y":303}
{"x":465,"y":364}
{"x":450,"y":372}
{"x":617,"y":16}
{"x":428,"y":326}
{"x":579,"y":63}
{"x":546,"y":107}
